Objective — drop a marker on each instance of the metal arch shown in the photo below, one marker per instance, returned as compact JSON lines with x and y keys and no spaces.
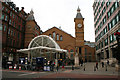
{"x":42,"y":37}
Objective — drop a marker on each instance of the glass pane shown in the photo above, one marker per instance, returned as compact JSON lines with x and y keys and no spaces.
{"x":54,"y":35}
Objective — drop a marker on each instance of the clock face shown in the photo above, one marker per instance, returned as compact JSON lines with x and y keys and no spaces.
{"x":79,"y":25}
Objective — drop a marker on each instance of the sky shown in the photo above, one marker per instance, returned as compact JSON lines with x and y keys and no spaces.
{"x":61,"y":13}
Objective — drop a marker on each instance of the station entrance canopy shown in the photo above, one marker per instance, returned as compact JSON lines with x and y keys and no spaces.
{"x":42,"y":42}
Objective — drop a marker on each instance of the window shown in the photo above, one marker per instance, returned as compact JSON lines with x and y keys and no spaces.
{"x":61,"y":38}
{"x":54,"y":35}
{"x":2,"y":16}
{"x":50,"y":35}
{"x":117,"y":18}
{"x":19,"y":27}
{"x":116,"y":5}
{"x":113,"y":22}
{"x":12,"y":32}
{"x":102,"y":44}
{"x":111,"y":38}
{"x":79,"y":50}
{"x":112,"y":9}
{"x":3,"y":7}
{"x":109,"y":25}
{"x":0,"y":27}
{"x":114,"y":37}
{"x":13,"y":42}
{"x":85,"y":51}
{"x":104,"y":20}
{"x":13,"y":16}
{"x":106,"y":41}
{"x":10,"y":21}
{"x":57,"y":36}
{"x":4,"y":27}
{"x":10,"y":13}
{"x":105,"y":30}
{"x":108,"y":3}
{"x":18,"y":35}
{"x":6,"y":10}
{"x":99,"y":46}
{"x":9,"y":31}
{"x":108,"y":14}
{"x":6,"y":18}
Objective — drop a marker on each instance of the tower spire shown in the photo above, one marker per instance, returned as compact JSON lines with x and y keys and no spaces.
{"x":79,"y":15}
{"x":78,"y":10}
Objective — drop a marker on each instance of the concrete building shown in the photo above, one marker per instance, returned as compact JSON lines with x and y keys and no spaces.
{"x":106,"y":23}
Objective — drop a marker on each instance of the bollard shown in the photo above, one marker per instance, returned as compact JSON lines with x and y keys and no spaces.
{"x":94,"y":68}
{"x":14,"y":67}
{"x":19,"y":67}
{"x":106,"y":67}
{"x":84,"y":67}
{"x":72,"y":67}
{"x":10,"y":67}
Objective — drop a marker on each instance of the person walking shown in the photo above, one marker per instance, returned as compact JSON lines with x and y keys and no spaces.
{"x":102,"y":64}
{"x":97,"y":65}
{"x":108,"y":62}
{"x":57,"y":68}
{"x":63,"y":66}
{"x":81,"y":62}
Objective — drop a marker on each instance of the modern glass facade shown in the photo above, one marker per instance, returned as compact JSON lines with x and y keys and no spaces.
{"x":106,"y":23}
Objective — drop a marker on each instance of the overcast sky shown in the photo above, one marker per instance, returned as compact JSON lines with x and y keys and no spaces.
{"x":49,"y":13}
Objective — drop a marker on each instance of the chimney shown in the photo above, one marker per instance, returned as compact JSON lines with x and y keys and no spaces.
{"x":17,"y":8}
{"x":22,"y":8}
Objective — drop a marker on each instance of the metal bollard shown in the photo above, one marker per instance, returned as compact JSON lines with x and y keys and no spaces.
{"x":72,"y":67}
{"x":106,"y":68}
{"x":94,"y":68}
{"x":84,"y":67}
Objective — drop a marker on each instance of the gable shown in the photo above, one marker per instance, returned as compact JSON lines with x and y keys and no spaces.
{"x":55,"y":29}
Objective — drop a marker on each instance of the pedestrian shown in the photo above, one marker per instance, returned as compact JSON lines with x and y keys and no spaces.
{"x":57,"y":68}
{"x":97,"y":65}
{"x":108,"y":62}
{"x":102,"y":64}
{"x":63,"y":66}
{"x":81,"y":62}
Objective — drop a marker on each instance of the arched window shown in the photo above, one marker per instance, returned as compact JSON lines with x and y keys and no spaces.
{"x":61,"y":38}
{"x":57,"y":36}
{"x":54,"y":35}
{"x":50,"y":35}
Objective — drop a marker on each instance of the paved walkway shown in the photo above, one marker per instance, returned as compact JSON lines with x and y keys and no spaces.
{"x":89,"y":69}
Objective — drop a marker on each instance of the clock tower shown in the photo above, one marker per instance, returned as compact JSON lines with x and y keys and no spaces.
{"x":79,"y":34}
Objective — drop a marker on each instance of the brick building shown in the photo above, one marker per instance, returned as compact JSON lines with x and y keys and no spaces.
{"x":19,"y":28}
{"x":14,"y":31}
{"x":74,"y":45}
{"x":106,"y":23}
{"x":32,"y":29}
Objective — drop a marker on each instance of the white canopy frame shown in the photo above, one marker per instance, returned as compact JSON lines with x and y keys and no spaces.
{"x":42,"y":42}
